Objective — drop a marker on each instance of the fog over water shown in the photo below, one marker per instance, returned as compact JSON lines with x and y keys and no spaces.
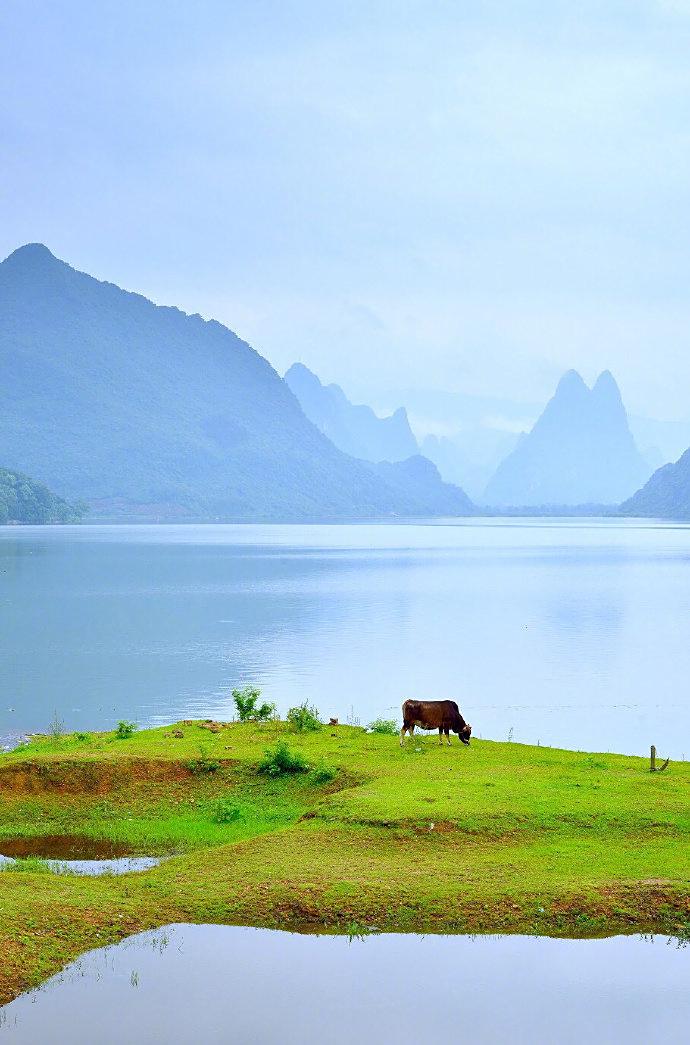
{"x":568,"y":632}
{"x":464,"y":198}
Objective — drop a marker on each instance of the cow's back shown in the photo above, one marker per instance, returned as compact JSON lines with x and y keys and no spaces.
{"x":429,"y":714}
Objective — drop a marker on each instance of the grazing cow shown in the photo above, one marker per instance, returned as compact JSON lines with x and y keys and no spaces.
{"x":443,"y":715}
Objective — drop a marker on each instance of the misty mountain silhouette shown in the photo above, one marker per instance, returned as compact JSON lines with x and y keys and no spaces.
{"x":665,"y":495}
{"x":354,"y":429}
{"x":144,"y":411}
{"x":580,"y":451}
{"x":470,"y":457}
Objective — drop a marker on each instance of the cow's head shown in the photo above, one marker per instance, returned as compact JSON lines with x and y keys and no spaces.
{"x":465,"y":732}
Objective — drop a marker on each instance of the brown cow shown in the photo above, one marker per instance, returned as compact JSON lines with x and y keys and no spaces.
{"x":442,"y":715}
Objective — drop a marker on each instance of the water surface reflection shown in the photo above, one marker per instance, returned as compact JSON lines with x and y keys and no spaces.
{"x":73,"y":854}
{"x":214,"y":984}
{"x":572,"y":633}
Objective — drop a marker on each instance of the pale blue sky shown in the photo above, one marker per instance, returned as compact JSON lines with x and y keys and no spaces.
{"x":471,"y":197}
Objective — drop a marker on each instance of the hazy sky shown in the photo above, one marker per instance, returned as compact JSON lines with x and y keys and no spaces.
{"x":467,"y":196}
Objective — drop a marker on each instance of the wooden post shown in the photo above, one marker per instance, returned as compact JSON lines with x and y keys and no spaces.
{"x":652,"y":760}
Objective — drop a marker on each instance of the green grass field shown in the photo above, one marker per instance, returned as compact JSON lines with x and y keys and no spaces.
{"x":490,"y":838}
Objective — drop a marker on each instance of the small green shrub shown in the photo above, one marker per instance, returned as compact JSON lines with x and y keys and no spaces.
{"x":202,"y":764}
{"x":125,"y":730}
{"x":386,"y":726}
{"x":83,"y":738}
{"x":226,"y":812}
{"x":57,"y":728}
{"x":323,"y":774}
{"x":248,"y":708}
{"x":280,"y":760}
{"x":304,"y":718}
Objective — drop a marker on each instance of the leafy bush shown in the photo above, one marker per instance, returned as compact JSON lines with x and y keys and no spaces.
{"x":280,"y":760}
{"x":304,"y":718}
{"x":226,"y":812}
{"x":202,"y":764}
{"x":125,"y":730}
{"x":84,"y":738}
{"x":323,"y":774}
{"x":246,"y":704}
{"x":386,"y":726}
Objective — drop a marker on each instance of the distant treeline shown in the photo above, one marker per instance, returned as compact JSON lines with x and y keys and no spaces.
{"x":24,"y":501}
{"x":540,"y":511}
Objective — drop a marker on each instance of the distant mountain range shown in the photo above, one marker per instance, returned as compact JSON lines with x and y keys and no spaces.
{"x":467,"y":460}
{"x":355,"y":430}
{"x":580,"y":451}
{"x":24,"y":501}
{"x":666,"y":495}
{"x":477,"y":424}
{"x":146,"y":412}
{"x":470,"y":457}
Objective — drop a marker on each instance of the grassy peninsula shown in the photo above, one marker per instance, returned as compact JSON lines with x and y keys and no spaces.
{"x":497,"y":837}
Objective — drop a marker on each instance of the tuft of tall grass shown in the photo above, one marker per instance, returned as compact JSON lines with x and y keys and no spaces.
{"x":225,"y":811}
{"x":281,"y":760}
{"x":202,"y":764}
{"x":34,"y":865}
{"x":304,"y":718}
{"x":323,"y":774}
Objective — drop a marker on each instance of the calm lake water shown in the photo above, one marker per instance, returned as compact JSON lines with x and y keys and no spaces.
{"x":220,"y":984}
{"x":569,"y":632}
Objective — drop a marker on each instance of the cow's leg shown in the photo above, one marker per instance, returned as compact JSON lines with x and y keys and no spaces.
{"x":448,"y":736}
{"x":440,"y":735}
{"x":407,"y":727}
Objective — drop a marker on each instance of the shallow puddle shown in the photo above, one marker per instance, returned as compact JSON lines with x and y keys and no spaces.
{"x":75,"y":854}
{"x":220,"y":984}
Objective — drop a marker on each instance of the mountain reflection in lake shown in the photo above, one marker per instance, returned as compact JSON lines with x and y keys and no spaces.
{"x":575,"y":633}
{"x":220,"y":984}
